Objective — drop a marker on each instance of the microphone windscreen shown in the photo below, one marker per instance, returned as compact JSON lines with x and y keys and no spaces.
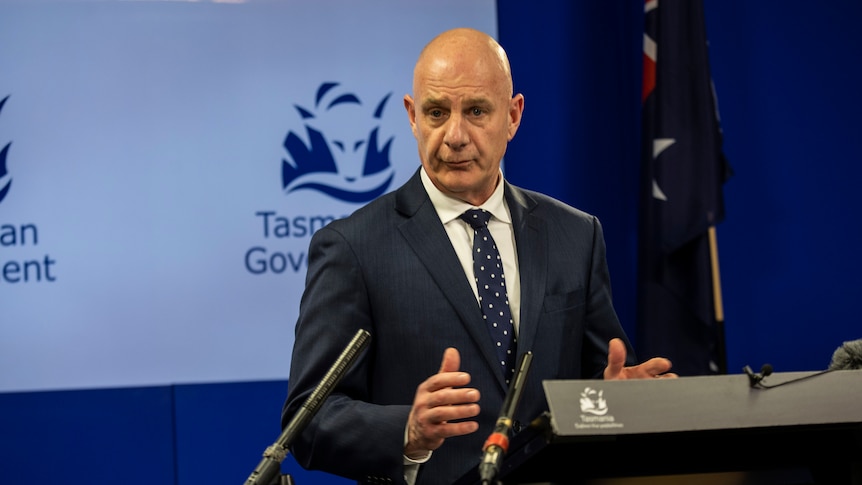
{"x":848,"y":356}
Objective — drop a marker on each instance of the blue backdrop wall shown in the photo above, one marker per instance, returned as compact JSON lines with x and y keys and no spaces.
{"x":786,"y":85}
{"x":787,"y":82}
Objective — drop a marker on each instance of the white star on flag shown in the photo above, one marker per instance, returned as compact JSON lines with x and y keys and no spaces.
{"x":659,"y":145}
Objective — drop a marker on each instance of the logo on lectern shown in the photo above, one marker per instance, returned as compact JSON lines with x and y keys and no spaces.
{"x":594,"y":412}
{"x":593,"y":403}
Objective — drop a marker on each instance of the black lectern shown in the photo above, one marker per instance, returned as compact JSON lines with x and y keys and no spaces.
{"x":800,"y":428}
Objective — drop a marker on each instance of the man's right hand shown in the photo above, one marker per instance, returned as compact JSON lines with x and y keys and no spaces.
{"x":439,"y":400}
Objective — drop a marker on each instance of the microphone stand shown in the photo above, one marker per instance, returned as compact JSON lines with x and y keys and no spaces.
{"x":498,"y":442}
{"x":270,"y":466}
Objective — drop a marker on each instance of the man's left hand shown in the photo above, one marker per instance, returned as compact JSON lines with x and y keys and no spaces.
{"x":657,"y":367}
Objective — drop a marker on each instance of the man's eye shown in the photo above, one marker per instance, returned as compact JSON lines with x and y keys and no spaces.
{"x":436,"y":113}
{"x":477,"y":111}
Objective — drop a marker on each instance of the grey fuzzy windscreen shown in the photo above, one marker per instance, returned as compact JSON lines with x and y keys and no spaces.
{"x":847,"y":356}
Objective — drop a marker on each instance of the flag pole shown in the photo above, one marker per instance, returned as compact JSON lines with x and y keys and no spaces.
{"x":717,"y":301}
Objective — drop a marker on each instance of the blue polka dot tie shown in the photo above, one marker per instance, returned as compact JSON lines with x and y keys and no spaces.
{"x":491,"y":283}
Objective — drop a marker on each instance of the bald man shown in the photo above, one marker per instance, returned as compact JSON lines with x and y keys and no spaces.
{"x":419,"y":403}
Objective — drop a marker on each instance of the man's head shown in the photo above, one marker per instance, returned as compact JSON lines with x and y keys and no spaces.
{"x":463,"y":112}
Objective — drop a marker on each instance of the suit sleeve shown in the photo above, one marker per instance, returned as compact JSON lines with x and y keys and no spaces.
{"x":602,"y":321}
{"x":333,"y":308}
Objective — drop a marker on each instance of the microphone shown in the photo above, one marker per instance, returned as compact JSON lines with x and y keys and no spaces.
{"x":848,"y":356}
{"x":754,"y":379}
{"x":498,"y":442}
{"x":270,"y":465}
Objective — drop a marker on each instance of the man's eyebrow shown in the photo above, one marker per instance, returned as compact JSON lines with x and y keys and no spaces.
{"x":468,"y":103}
{"x":428,"y":102}
{"x":481,"y":101}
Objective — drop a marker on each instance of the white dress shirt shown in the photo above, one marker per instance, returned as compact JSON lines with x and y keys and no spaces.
{"x":461,"y":234}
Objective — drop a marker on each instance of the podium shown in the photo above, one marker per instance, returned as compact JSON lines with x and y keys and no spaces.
{"x":798,"y":428}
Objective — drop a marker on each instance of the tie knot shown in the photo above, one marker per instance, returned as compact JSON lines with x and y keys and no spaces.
{"x":477,"y":218}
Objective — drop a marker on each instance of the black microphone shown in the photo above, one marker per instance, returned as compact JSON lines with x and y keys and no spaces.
{"x":754,"y":379}
{"x":270,"y":466}
{"x":848,"y":356}
{"x":498,"y":442}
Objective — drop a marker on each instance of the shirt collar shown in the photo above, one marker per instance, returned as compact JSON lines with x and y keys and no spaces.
{"x":450,"y":208}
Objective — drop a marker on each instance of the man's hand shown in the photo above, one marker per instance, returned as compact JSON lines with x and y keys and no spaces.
{"x":655,"y":367}
{"x":439,"y":400}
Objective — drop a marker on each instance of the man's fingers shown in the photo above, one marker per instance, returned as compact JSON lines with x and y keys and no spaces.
{"x":449,"y":397}
{"x":440,"y":432}
{"x":451,"y":360}
{"x":616,"y":358}
{"x":439,"y":400}
{"x":656,"y":366}
{"x":448,"y":375}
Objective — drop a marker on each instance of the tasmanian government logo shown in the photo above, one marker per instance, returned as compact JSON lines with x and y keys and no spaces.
{"x":594,"y":411}
{"x":5,"y":178}
{"x":592,"y":402}
{"x":339,"y":150}
{"x":341,"y":154}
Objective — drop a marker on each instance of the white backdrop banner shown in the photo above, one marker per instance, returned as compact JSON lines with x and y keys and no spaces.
{"x":164,"y":165}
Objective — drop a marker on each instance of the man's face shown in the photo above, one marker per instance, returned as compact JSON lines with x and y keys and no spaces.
{"x":463,"y":117}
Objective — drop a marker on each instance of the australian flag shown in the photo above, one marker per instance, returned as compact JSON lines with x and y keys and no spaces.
{"x":680,"y":313}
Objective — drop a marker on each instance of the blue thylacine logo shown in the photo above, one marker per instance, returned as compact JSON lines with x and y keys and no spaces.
{"x":5,"y":178}
{"x":342,"y":158}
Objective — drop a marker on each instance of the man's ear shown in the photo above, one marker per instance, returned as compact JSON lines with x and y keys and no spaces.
{"x":410,"y":106}
{"x":516,"y":110}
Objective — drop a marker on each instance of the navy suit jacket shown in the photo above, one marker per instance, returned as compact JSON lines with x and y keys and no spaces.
{"x":390,"y":268}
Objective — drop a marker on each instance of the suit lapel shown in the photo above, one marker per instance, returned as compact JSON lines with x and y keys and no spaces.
{"x":427,"y":237}
{"x":531,"y":240}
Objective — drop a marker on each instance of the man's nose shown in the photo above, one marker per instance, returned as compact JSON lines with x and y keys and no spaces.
{"x":456,"y":136}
